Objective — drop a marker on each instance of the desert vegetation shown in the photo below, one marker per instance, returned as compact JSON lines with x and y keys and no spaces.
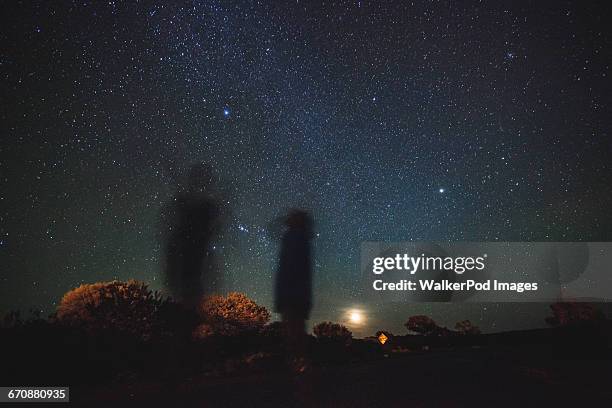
{"x":110,"y":331}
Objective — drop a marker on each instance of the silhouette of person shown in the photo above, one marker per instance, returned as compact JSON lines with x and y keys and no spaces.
{"x":191,"y":221}
{"x":293,"y":286}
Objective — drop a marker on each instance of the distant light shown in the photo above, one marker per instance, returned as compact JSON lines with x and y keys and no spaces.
{"x":356,"y":317}
{"x":442,"y":190}
{"x":226,"y":112}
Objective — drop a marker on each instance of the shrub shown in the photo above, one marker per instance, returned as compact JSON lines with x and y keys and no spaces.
{"x":274,"y":330}
{"x":574,"y":314}
{"x":467,"y":328}
{"x":332,"y":331}
{"x":219,"y":328}
{"x":11,"y":320}
{"x":424,"y":325}
{"x":126,"y":307}
{"x":14,"y":319}
{"x":230,"y":315}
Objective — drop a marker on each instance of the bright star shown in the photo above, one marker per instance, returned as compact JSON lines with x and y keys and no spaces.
{"x":226,"y":112}
{"x":442,"y":190}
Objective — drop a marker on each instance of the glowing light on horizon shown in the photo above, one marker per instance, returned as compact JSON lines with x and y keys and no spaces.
{"x":356,"y":317}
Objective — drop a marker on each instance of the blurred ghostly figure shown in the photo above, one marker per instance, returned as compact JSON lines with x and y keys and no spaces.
{"x":293,"y":287}
{"x":190,"y":222}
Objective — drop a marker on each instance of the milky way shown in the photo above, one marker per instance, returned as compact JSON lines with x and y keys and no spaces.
{"x":390,"y":122}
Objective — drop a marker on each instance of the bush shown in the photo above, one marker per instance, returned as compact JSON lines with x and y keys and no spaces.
{"x":125,"y":307}
{"x":466,"y":327}
{"x":424,"y":325}
{"x":230,"y":315}
{"x":332,"y":331}
{"x":568,"y":314}
{"x":11,"y":320}
{"x":14,"y":319}
{"x":274,"y":330}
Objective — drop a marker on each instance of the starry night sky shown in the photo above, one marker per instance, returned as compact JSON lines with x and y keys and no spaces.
{"x":389,"y":121}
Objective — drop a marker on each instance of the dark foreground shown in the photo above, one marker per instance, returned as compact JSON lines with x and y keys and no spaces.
{"x":469,"y":377}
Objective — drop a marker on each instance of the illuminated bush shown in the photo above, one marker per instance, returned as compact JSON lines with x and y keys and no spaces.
{"x":218,"y":328}
{"x":332,"y":331}
{"x":127,"y":307}
{"x":230,"y":315}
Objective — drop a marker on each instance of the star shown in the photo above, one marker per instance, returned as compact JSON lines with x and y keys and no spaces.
{"x":356,"y":125}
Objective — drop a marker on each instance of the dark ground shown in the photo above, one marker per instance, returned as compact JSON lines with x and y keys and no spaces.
{"x":469,"y":377}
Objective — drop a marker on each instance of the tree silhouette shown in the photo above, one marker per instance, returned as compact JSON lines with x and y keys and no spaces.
{"x":467,"y":328}
{"x":332,"y":331}
{"x":422,"y":324}
{"x":574,"y":313}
